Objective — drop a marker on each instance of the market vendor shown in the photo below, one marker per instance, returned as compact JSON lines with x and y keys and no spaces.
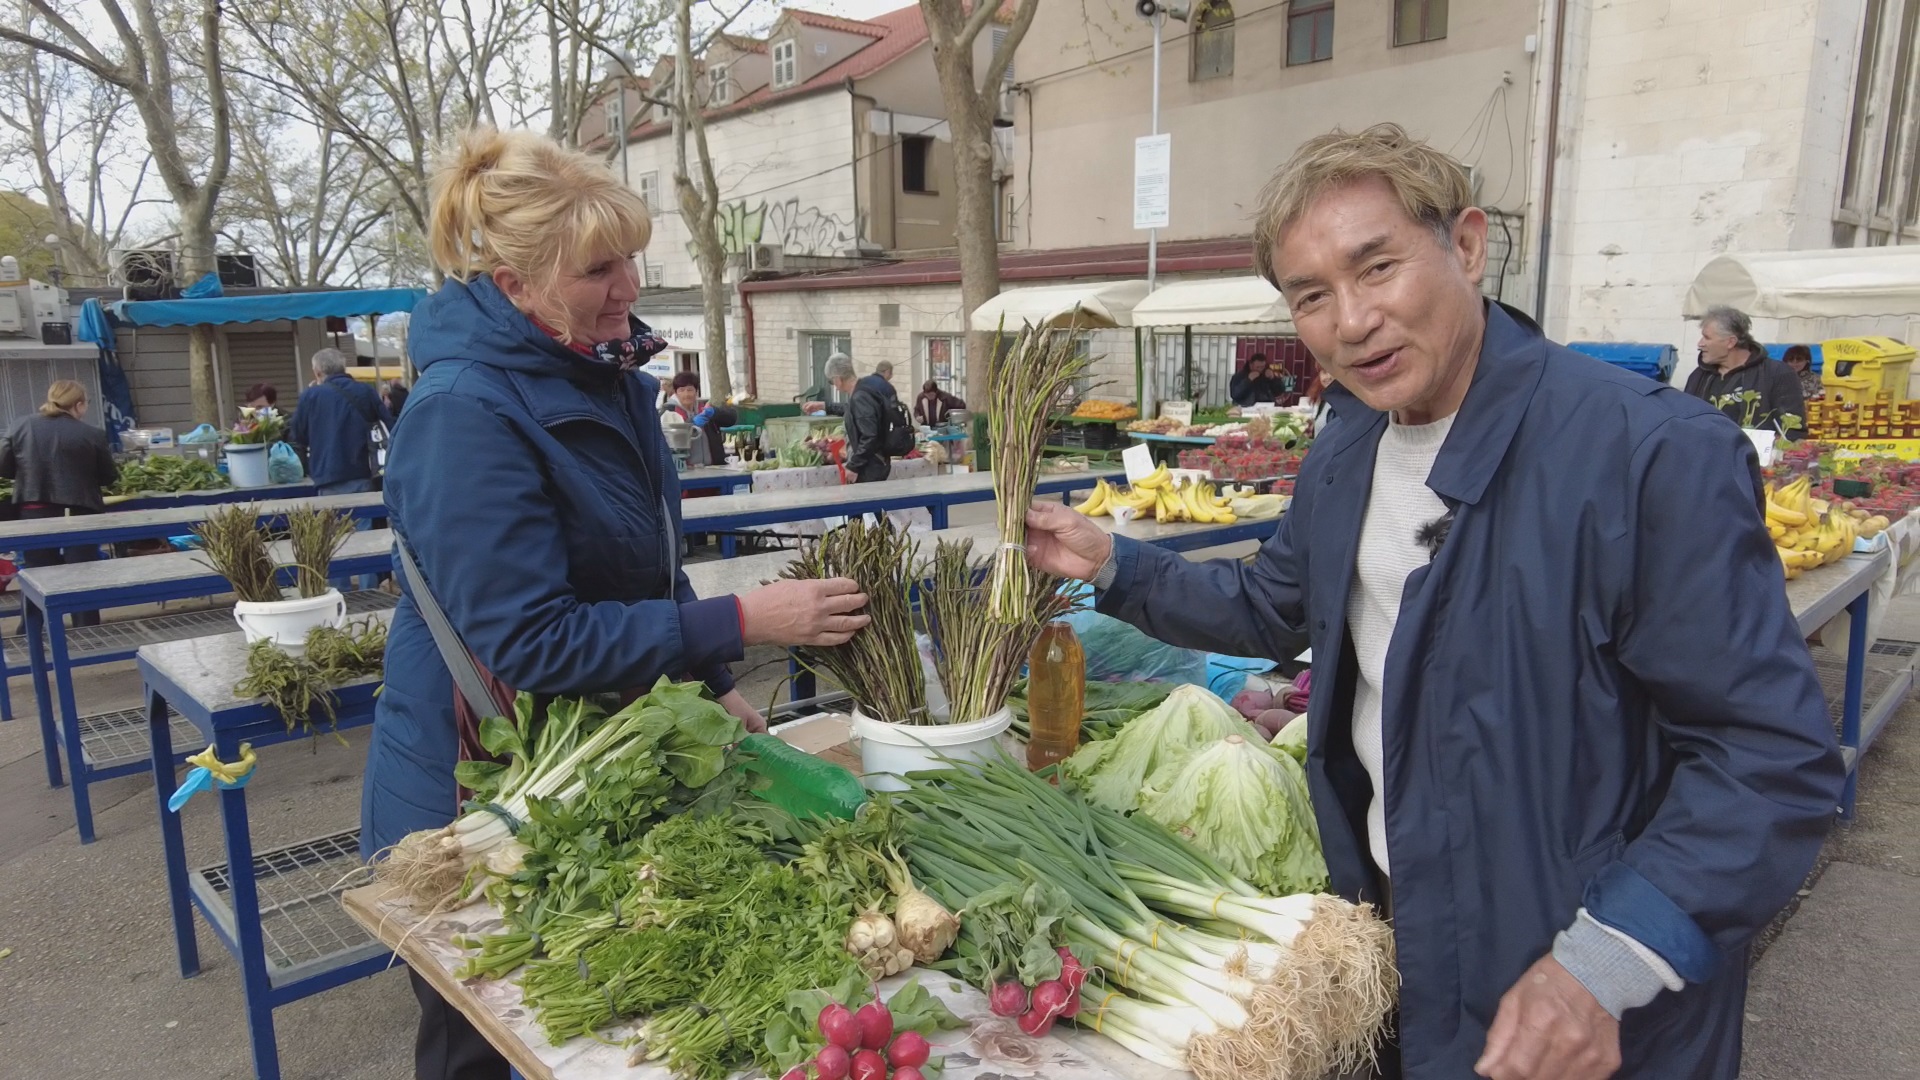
{"x":1564,"y":727}
{"x":533,"y":487}
{"x":1733,"y":364}
{"x":1255,"y":384}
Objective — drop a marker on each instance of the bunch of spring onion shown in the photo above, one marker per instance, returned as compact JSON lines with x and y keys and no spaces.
{"x":1197,"y":970}
{"x":1024,"y":384}
{"x":672,"y":730}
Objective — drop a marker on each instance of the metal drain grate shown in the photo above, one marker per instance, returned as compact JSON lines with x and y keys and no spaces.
{"x":1833,"y":679}
{"x":1894,"y":647}
{"x":120,"y":738}
{"x":301,"y":920}
{"x":113,"y":640}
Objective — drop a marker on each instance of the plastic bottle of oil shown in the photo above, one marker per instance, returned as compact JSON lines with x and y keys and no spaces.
{"x":1056,"y":695}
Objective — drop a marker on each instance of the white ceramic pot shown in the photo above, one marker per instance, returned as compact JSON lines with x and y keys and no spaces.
{"x":889,"y":750}
{"x":286,"y":622}
{"x":247,"y":465}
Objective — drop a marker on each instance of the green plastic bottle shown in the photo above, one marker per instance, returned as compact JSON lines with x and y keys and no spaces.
{"x":802,"y":784}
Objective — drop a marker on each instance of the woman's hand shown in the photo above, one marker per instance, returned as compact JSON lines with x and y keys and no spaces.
{"x":803,"y":612}
{"x":1062,"y":541}
{"x":734,"y":703}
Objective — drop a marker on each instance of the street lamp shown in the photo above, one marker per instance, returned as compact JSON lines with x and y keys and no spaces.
{"x":53,"y":245}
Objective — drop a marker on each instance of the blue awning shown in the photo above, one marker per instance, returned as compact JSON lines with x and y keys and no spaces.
{"x":216,"y":311}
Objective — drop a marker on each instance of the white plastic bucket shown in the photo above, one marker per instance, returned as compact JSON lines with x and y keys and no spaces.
{"x":888,"y":750}
{"x":247,"y":465}
{"x":286,"y":622}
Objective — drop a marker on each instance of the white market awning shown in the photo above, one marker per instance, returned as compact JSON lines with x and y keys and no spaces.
{"x":1837,"y":284}
{"x":1094,"y":305}
{"x":1244,"y":304}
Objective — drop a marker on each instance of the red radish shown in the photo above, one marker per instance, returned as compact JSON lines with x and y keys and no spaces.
{"x":1008,"y":999}
{"x":837,"y":1024}
{"x":908,"y":1072}
{"x":876,"y":1025}
{"x":1073,"y":1005}
{"x":910,"y":1050}
{"x":1071,"y":971}
{"x":1051,"y":998}
{"x":869,"y":1065}
{"x":832,"y":1062}
{"x":1036,"y":1023}
{"x":798,"y":1072}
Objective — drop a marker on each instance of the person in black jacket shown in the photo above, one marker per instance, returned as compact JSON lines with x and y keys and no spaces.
{"x":1732,"y":363}
{"x":866,"y":412}
{"x":1254,"y":385}
{"x":60,"y":465}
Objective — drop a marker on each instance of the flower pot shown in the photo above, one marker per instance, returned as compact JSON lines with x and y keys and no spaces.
{"x":889,"y":750}
{"x":286,"y":622}
{"x":247,"y":465}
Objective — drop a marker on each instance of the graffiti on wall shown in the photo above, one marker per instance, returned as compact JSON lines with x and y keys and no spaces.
{"x":789,"y":226}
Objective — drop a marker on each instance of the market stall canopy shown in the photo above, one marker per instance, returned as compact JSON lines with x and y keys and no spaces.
{"x":1244,"y":303}
{"x":270,"y":307}
{"x":1094,"y":305}
{"x":1838,"y":284}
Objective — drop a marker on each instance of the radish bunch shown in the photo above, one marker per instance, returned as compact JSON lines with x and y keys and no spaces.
{"x":1035,"y":1010}
{"x":862,"y":1045}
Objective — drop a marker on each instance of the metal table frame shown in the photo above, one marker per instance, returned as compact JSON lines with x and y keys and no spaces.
{"x":47,"y":632}
{"x":229,"y":897}
{"x":1851,"y":593}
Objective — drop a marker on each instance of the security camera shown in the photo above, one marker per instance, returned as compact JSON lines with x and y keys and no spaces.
{"x":1172,"y":9}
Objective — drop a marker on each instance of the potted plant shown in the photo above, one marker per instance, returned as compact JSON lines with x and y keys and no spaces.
{"x":247,"y":448}
{"x":239,"y":549}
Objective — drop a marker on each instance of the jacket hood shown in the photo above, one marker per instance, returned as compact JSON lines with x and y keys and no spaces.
{"x":473,"y":320}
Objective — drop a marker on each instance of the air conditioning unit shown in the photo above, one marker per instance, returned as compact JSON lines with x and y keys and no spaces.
{"x":237,"y":271}
{"x":150,"y":269}
{"x":1006,"y":102}
{"x":768,"y":258}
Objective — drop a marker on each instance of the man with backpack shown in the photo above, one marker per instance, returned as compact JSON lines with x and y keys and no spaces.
{"x":878,"y":427}
{"x":340,"y":427}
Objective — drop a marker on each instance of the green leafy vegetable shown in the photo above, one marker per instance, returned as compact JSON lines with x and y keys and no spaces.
{"x":1014,"y":929}
{"x":1245,"y":804}
{"x":1109,"y":706}
{"x":1114,"y":772}
{"x":1293,"y":738}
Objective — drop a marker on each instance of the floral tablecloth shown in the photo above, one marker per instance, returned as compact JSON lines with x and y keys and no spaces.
{"x":829,"y":476}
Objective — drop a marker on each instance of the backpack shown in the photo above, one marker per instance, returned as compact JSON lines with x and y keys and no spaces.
{"x":899,"y":438}
{"x":377,"y":433}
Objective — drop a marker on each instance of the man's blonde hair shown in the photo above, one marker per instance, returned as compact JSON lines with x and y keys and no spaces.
{"x":522,"y":201}
{"x":1432,"y":187}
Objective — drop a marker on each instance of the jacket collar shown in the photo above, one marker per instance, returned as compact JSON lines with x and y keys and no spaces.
{"x":1512,"y":359}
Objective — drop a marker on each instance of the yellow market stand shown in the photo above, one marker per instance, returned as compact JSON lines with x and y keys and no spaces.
{"x":1866,"y":370}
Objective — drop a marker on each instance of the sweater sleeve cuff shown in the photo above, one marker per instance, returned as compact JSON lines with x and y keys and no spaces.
{"x":1103,"y":579}
{"x":1618,"y":971}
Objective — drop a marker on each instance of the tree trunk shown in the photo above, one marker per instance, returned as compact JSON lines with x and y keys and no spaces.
{"x":977,"y":240}
{"x":196,"y":258}
{"x":699,"y":208}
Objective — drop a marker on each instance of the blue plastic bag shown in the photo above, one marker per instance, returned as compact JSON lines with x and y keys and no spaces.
{"x":283,"y":465}
{"x":1117,"y":652}
{"x":205,"y":433}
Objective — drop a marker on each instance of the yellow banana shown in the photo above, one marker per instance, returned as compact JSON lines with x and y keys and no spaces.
{"x":1091,"y":507}
{"x":1785,"y":515}
{"x":1776,"y":530}
{"x":1195,"y":508}
{"x":1158,"y":478}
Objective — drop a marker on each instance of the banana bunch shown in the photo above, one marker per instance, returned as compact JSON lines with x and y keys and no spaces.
{"x":226,"y":772}
{"x":1156,"y":496}
{"x":1804,"y":535}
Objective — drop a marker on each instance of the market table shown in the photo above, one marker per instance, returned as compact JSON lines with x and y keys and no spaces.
{"x":732,"y":513}
{"x":497,"y":1012}
{"x":166,"y":500}
{"x":1818,"y":596}
{"x":715,"y":478}
{"x":118,"y":526}
{"x":276,"y":911}
{"x":106,"y":745}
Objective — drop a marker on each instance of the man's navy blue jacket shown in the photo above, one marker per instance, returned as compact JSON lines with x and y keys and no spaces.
{"x":330,"y":425}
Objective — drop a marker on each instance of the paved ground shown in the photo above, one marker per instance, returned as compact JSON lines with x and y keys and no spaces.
{"x":91,"y":990}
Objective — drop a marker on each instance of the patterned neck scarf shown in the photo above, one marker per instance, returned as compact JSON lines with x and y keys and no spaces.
{"x":630,"y":352}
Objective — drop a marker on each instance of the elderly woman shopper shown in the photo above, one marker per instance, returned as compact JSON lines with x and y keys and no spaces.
{"x":532,"y":487}
{"x":60,"y":465}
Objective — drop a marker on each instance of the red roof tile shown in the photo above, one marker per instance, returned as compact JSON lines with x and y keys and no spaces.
{"x":835,"y":22}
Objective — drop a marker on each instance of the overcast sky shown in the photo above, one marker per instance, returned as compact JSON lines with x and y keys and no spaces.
{"x":852,"y":9}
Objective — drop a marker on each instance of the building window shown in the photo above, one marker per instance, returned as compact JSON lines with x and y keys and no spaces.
{"x":1415,"y":21}
{"x":613,"y":111}
{"x":786,"y":67}
{"x":720,"y":87}
{"x":1309,"y":31}
{"x":815,"y":350}
{"x":999,"y":37}
{"x":944,"y":359}
{"x":663,"y":107}
{"x":648,"y":185}
{"x":916,"y":155}
{"x":1880,"y":178}
{"x":655,"y":275}
{"x":1212,"y":54}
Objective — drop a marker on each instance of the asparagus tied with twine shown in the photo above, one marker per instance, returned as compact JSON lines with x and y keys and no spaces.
{"x":978,"y":657}
{"x":1023,"y":385}
{"x":880,"y":665}
{"x":236,"y":549}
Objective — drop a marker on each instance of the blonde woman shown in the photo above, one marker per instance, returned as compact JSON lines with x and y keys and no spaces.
{"x":60,"y":465}
{"x":533,"y":487}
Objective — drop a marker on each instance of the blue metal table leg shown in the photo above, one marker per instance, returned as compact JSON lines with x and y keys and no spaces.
{"x":938,"y":512}
{"x":43,"y":699}
{"x":69,"y":724}
{"x":802,"y":679}
{"x":172,"y":843}
{"x":245,"y":898}
{"x":6,"y":673}
{"x":1851,"y":704}
{"x":726,"y":545}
